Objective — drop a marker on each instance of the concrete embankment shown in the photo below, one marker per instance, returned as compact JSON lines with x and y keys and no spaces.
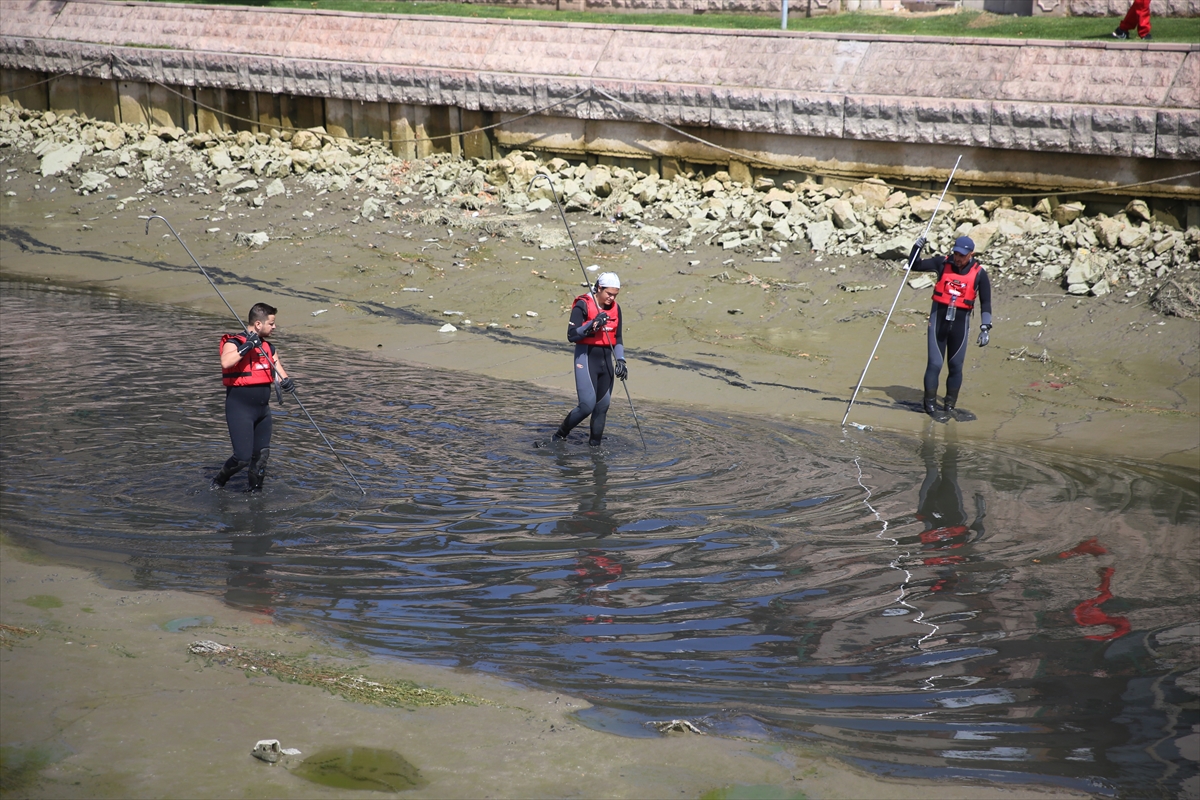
{"x":1048,"y":116}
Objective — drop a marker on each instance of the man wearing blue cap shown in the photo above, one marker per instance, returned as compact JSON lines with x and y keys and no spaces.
{"x":960,"y":282}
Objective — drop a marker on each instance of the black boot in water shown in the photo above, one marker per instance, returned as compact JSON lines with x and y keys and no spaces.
{"x":931,"y":408}
{"x":951,"y":403}
{"x":258,"y":470}
{"x":231,"y":467}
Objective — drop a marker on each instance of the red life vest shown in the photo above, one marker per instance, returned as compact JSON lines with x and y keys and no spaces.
{"x":963,"y":286}
{"x":606,"y":336}
{"x":254,"y":369}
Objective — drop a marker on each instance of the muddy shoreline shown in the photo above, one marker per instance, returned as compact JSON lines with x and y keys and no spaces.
{"x":785,"y":337}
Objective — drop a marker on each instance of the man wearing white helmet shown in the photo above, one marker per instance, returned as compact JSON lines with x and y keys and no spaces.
{"x":595,"y":330}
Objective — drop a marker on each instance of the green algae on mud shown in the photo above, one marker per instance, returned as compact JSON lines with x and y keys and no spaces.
{"x":364,"y":768}
{"x":43,"y":601}
{"x":20,"y":764}
{"x":304,"y":668}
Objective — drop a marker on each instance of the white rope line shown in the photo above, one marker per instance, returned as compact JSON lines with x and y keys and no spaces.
{"x":896,"y":563}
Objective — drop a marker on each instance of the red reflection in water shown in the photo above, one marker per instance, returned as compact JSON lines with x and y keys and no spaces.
{"x":1089,"y":613}
{"x":1090,"y":547}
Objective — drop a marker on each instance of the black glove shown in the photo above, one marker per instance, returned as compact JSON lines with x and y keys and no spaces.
{"x":600,"y":321}
{"x":288,"y":385}
{"x":622,"y":370}
{"x":917,"y":247}
{"x":984,"y":337}
{"x":252,"y":341}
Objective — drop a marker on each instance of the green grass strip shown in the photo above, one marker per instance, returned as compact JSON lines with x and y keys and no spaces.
{"x":966,"y":24}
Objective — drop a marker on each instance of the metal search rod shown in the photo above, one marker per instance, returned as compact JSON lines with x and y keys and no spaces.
{"x":587,"y":281}
{"x":911,"y":261}
{"x":261,"y":348}
{"x":562,"y":215}
{"x":635,"y":418}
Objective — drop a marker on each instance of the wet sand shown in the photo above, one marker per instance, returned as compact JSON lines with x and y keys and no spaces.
{"x":142,"y":718}
{"x":110,"y":704}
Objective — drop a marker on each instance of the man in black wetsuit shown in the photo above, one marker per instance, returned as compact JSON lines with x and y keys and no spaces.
{"x":249,"y":367}
{"x":595,"y":330}
{"x":960,"y":282}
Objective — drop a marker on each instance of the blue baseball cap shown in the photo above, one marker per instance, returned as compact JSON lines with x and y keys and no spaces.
{"x":964,"y":246}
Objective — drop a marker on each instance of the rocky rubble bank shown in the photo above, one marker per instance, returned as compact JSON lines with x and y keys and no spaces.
{"x":1132,"y":253}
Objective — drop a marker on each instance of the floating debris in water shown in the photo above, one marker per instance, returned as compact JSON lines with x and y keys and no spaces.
{"x":675,"y":726}
{"x":176,"y":625}
{"x":16,"y":630}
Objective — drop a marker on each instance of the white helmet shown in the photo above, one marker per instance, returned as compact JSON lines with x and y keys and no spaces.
{"x":608,"y":280}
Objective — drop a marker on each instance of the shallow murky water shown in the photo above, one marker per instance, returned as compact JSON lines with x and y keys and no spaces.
{"x":921,"y":607}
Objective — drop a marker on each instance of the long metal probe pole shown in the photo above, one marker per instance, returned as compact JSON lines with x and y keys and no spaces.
{"x":911,"y":261}
{"x":562,"y":215}
{"x":261,"y":348}
{"x":587,"y":282}
{"x":635,"y":418}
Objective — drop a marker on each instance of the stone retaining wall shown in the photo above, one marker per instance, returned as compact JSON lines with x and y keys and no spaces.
{"x":1016,"y":110}
{"x":1074,"y":8}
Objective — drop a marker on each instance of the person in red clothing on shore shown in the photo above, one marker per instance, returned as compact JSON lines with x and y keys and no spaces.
{"x":1138,"y":16}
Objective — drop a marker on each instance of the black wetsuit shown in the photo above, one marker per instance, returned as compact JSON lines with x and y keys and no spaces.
{"x":594,"y":376}
{"x":951,"y":335}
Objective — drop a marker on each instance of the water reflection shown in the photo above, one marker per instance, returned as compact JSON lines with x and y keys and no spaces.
{"x":924,"y":607}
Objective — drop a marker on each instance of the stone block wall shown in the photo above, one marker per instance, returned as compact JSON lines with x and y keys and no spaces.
{"x":876,"y":102}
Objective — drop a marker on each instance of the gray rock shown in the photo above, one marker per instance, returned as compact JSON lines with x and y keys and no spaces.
{"x":888,"y":218}
{"x":923,"y":207}
{"x":1165,"y":244}
{"x":1138,"y":210}
{"x":245,"y":186}
{"x":1108,"y":231}
{"x":93,"y":182}
{"x":598,"y":181}
{"x":1051,"y":271}
{"x":894,"y":249}
{"x":1131,"y":236}
{"x":113,"y":139}
{"x":1085,"y":268}
{"x":306,"y":140}
{"x":1101,"y":288}
{"x":1066,"y":213}
{"x":371,"y":207}
{"x":148,"y":145}
{"x":275,"y":188}
{"x":64,"y":158}
{"x":779,"y":196}
{"x":219,"y":158}
{"x":255,"y":239}
{"x":819,"y":233}
{"x":922,"y":280}
{"x":874,"y":191}
{"x":843,"y":214}
{"x":539,"y":205}
{"x":580,"y":201}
